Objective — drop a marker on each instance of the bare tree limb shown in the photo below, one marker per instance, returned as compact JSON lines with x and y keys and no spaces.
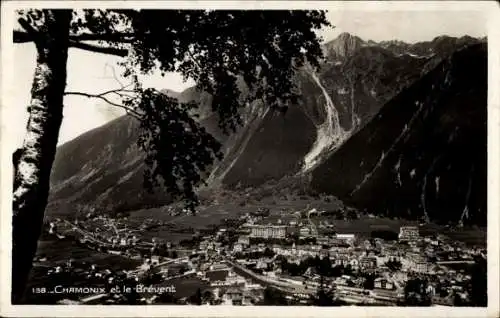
{"x":99,"y":49}
{"x":21,"y":37}
{"x":117,"y":91}
{"x":193,"y":59}
{"x":114,"y":75}
{"x":28,"y":27}
{"x":101,"y":96}
{"x":31,"y":32}
{"x":32,"y":36}
{"x":24,"y":37}
{"x":109,"y":37}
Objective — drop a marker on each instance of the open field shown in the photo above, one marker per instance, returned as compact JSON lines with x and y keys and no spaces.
{"x":59,"y":251}
{"x":214,"y":214}
{"x":364,"y":225}
{"x":284,"y":210}
{"x":471,"y":235}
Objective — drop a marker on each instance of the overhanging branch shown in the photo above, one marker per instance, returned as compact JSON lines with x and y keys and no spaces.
{"x":109,"y":37}
{"x":24,"y":37}
{"x":101,"y":96}
{"x":31,"y":32}
{"x":99,"y":49}
{"x":75,"y":40}
{"x":21,"y":37}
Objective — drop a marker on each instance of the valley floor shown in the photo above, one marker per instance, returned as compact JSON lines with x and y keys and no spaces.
{"x":214,"y":215}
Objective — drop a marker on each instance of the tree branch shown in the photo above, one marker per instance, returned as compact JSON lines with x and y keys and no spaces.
{"x":32,"y":36}
{"x":109,"y":37}
{"x":21,"y":37}
{"x":24,"y":37}
{"x":99,"y":49}
{"x":114,"y":75}
{"x":193,"y":59}
{"x":31,"y":32}
{"x":101,"y":96}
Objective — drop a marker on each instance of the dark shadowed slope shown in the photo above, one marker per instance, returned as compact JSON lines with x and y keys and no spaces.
{"x":425,"y":153}
{"x":358,"y":78}
{"x":276,"y":148}
{"x":103,"y":168}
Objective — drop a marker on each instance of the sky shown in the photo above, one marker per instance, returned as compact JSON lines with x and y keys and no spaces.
{"x":92,"y":73}
{"x":407,"y":26}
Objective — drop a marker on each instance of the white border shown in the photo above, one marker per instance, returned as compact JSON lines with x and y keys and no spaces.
{"x":6,"y":309}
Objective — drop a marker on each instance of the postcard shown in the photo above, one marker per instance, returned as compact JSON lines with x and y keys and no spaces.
{"x":254,"y":158}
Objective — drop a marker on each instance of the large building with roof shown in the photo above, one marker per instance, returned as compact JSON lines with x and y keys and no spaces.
{"x":268,"y":231}
{"x":408,"y":233}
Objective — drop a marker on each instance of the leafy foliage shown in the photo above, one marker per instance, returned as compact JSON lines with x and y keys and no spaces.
{"x":394,"y":265}
{"x":479,"y":283}
{"x":369,"y":282}
{"x":177,"y":148}
{"x":416,"y":293}
{"x":325,"y":296}
{"x":237,"y":57}
{"x":274,"y":297}
{"x":196,"y":298}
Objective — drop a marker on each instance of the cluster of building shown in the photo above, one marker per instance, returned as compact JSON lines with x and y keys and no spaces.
{"x":237,"y":270}
{"x":392,"y":263}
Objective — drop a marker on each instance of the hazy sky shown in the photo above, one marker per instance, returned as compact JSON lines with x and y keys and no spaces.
{"x":90,"y":72}
{"x":408,"y":26}
{"x":87,"y":72}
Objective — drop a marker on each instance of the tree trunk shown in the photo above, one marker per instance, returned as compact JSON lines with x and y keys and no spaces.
{"x":37,"y":154}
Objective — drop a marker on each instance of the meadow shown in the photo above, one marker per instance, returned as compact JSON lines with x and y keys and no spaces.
{"x":285,"y":210}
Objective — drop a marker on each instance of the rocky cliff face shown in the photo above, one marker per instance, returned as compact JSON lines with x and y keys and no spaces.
{"x":342,"y":47}
{"x":424,"y":154}
{"x":357,"y":78}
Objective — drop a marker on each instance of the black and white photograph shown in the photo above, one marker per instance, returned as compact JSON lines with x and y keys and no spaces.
{"x":230,"y":155}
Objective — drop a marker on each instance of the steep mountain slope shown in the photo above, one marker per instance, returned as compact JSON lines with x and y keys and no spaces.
{"x":356,"y":80}
{"x":424,"y":154}
{"x":273,"y":147}
{"x":90,"y":168}
{"x":103,"y":168}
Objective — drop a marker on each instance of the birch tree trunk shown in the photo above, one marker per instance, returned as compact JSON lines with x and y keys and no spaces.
{"x":39,"y":147}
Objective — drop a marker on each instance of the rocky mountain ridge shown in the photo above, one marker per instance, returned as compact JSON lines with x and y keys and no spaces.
{"x":424,"y":154}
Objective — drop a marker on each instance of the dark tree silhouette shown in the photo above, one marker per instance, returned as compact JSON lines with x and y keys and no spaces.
{"x":274,"y":297}
{"x":217,"y":49}
{"x":369,"y":282}
{"x":208,"y":297}
{"x":416,"y":293}
{"x":394,"y":265}
{"x":196,"y":299}
{"x":325,"y":296}
{"x":174,"y":254}
{"x":479,"y":283}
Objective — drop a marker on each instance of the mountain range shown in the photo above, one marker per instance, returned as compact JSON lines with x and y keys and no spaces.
{"x":390,"y":127}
